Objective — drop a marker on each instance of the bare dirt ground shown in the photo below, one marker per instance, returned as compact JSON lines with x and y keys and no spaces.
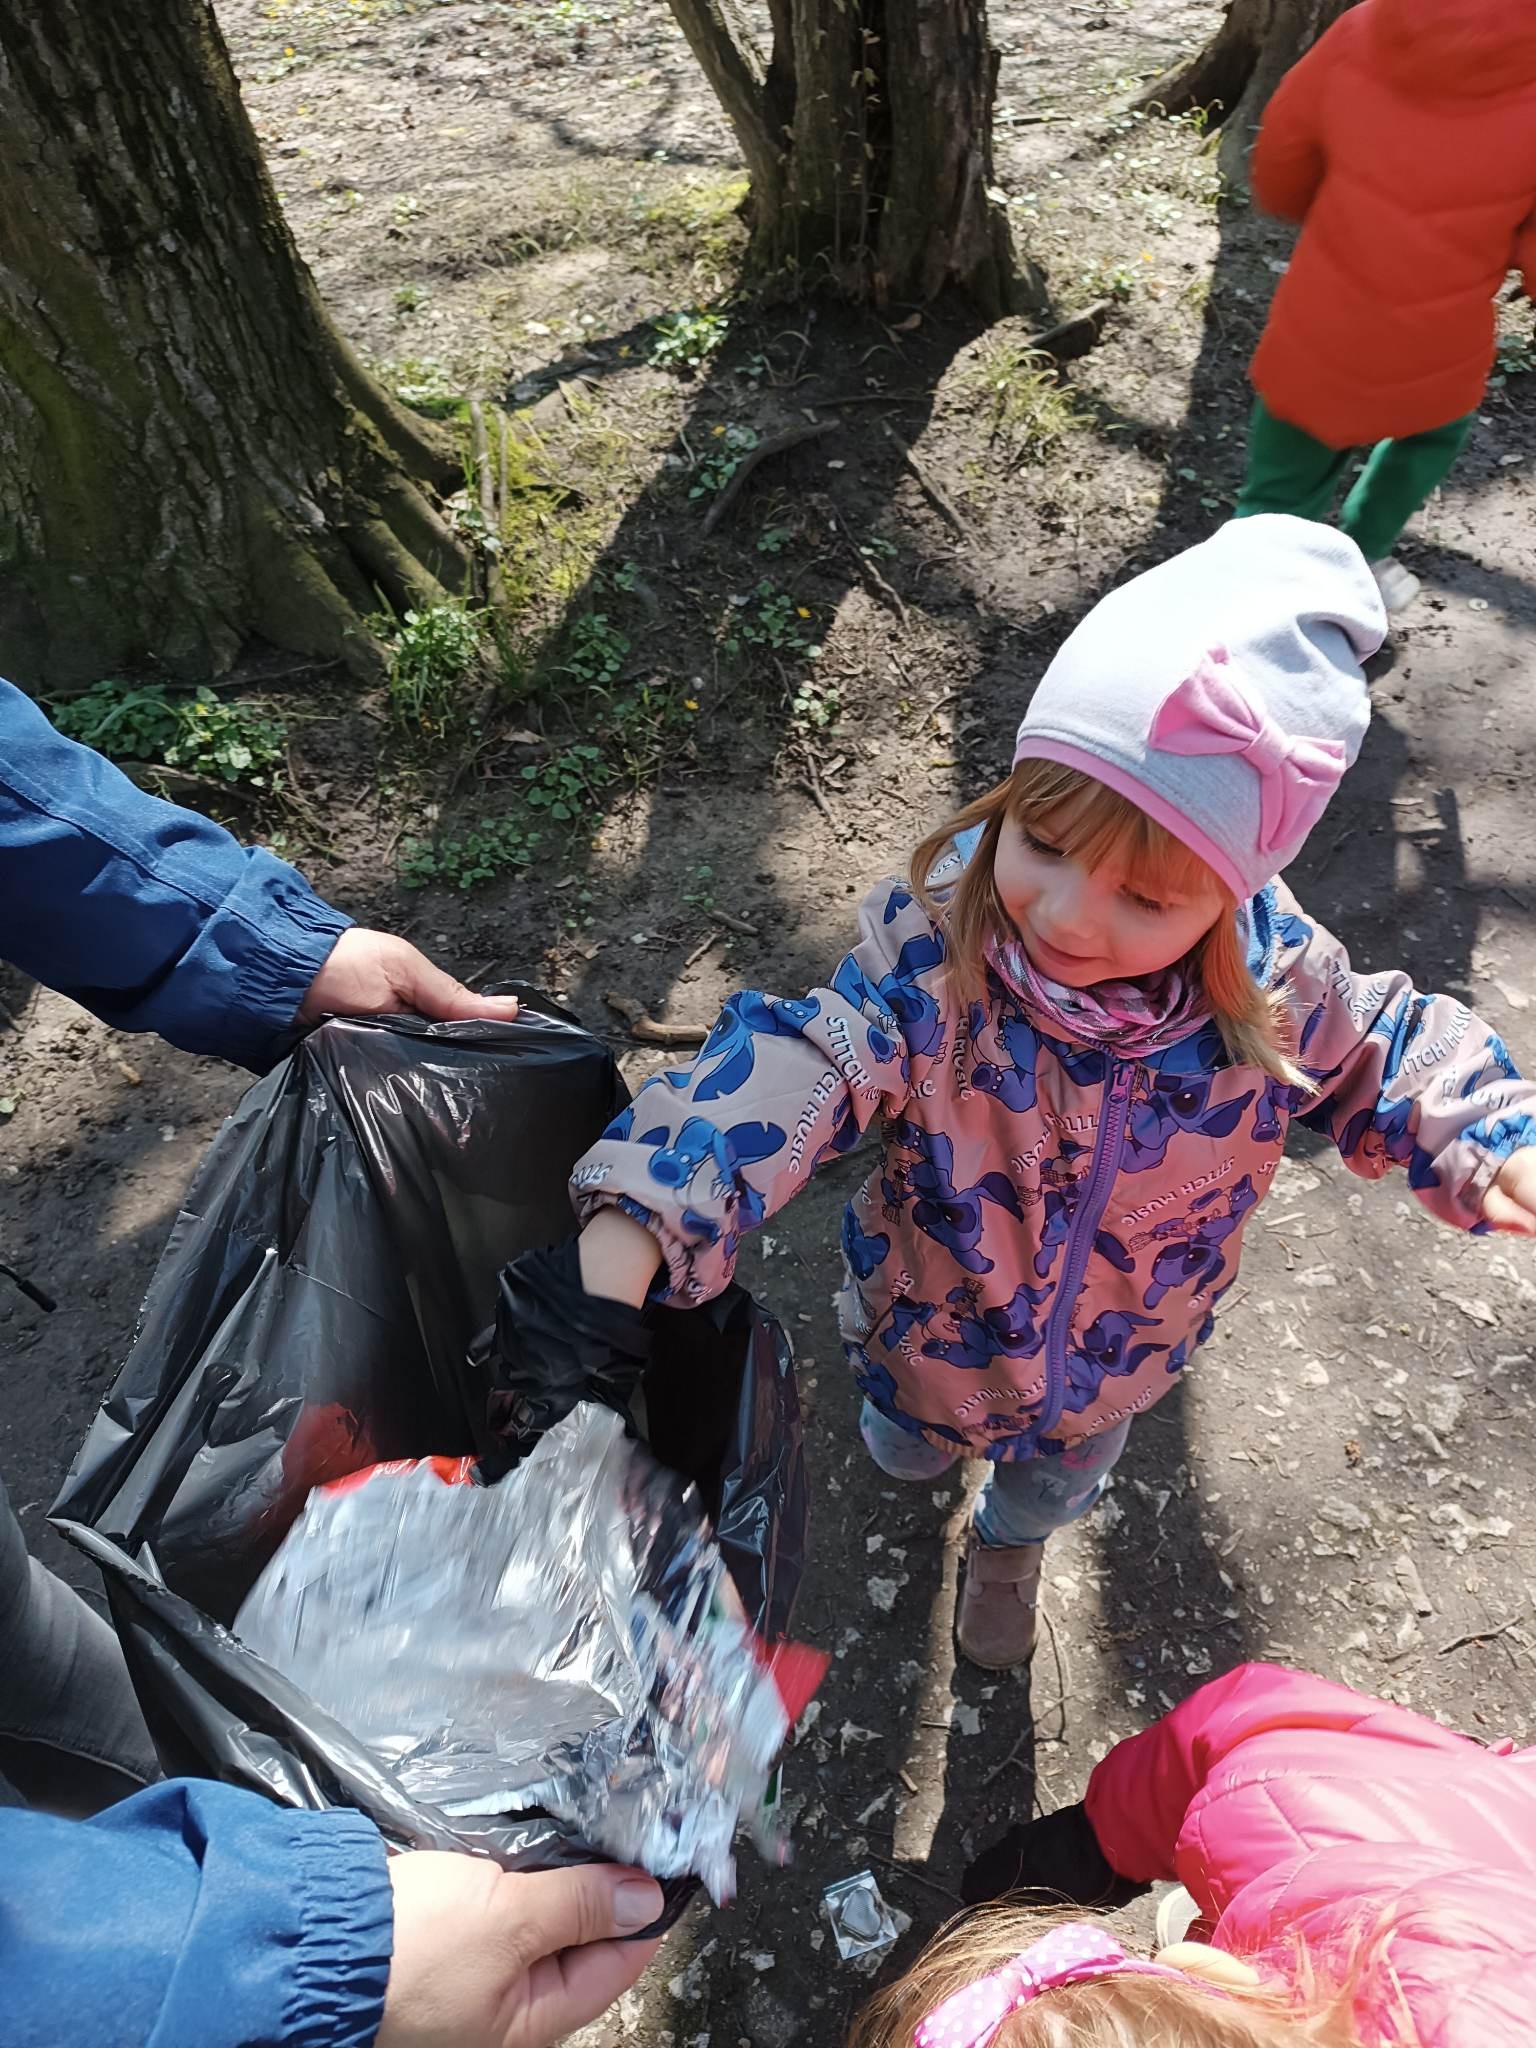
{"x":502,"y":198}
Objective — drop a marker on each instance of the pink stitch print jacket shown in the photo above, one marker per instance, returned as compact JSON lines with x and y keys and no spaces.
{"x":1040,"y":1247}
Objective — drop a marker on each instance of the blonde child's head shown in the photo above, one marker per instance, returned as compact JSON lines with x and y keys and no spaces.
{"x":1091,"y":825}
{"x":1199,"y":1997}
{"x":1177,"y":753}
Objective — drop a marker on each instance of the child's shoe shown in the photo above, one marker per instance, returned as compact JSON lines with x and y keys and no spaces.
{"x":1398,"y":586}
{"x":998,"y":1604}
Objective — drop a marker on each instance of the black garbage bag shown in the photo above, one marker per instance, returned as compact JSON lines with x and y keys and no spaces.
{"x":312,"y":1314}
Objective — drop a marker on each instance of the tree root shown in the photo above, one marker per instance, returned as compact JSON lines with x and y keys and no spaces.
{"x":776,"y":444}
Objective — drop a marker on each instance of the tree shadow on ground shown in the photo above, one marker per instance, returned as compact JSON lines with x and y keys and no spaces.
{"x":827,"y":541}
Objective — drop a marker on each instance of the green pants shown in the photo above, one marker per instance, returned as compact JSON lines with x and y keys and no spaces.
{"x":1289,"y":471}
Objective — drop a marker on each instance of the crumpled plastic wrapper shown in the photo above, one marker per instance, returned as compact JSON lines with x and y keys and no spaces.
{"x":863,"y":1925}
{"x":567,"y":1640}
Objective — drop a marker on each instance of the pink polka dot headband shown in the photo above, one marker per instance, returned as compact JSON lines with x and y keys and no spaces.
{"x":1075,"y":1954}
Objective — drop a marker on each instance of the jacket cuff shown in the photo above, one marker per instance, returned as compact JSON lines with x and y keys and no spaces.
{"x":678,"y":1283}
{"x":275,"y":934}
{"x":346,"y":1919}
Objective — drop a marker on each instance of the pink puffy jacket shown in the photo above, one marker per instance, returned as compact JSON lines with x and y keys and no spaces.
{"x":1286,"y":1804}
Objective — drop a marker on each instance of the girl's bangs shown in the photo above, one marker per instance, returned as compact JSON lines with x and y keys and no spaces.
{"x":1094,"y":825}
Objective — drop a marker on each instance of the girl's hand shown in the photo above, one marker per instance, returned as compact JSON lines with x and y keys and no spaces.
{"x":619,"y":1258}
{"x":1510,"y":1203}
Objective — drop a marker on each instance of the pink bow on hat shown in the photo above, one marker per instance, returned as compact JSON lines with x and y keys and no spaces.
{"x":1211,"y":713}
{"x":1074,"y":1954}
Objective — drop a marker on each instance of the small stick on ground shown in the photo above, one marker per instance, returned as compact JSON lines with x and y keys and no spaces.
{"x":916,"y":1876}
{"x":1480,"y":1635}
{"x":700,"y":950}
{"x":776,"y":444}
{"x":879,"y":398}
{"x":643,"y":1026}
{"x":735,"y":924}
{"x":867,"y":568}
{"x":813,"y":789}
{"x":821,"y":803}
{"x":932,"y":489}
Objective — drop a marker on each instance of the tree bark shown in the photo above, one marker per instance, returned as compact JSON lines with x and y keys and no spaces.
{"x":1238,"y":69}
{"x":189,"y":453}
{"x":868,"y":136}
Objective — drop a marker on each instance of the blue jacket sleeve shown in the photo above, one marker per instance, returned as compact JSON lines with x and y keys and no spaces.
{"x":150,"y":915}
{"x":193,"y":1915}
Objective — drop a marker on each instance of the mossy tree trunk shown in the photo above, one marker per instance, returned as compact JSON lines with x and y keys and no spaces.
{"x":189,"y":453}
{"x":868,"y":136}
{"x":1234,"y":74}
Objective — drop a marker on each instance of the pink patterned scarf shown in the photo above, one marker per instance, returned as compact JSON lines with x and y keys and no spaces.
{"x":1134,"y":1020}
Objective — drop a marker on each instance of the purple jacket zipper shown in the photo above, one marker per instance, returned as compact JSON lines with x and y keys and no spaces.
{"x":1080,"y":1235}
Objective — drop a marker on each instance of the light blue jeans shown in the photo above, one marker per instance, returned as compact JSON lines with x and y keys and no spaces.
{"x":1023,"y":1501}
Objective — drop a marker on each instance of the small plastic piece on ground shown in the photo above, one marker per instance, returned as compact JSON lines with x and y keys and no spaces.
{"x":862,"y":1923}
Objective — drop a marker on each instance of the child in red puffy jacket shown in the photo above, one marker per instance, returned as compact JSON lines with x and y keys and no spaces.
{"x":1405,"y":143}
{"x":1364,"y":1877}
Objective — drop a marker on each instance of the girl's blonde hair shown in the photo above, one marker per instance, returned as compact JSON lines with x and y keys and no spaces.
{"x":1092,"y":824}
{"x":1303,"y":2009}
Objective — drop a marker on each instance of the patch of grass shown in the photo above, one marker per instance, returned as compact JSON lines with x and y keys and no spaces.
{"x":425,"y":384}
{"x":769,"y":617}
{"x":1516,"y":358}
{"x":1115,"y":281}
{"x":552,"y":542}
{"x":196,"y":731}
{"x":648,"y":723}
{"x":596,"y":650}
{"x":719,"y":464}
{"x":1021,"y":396}
{"x":702,"y":895}
{"x":571,"y":783}
{"x":693,"y":223}
{"x":815,"y":707}
{"x":491,"y":848}
{"x":685,"y":341}
{"x":431,"y":651}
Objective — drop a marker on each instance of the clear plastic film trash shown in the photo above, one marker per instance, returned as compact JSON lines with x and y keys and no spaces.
{"x":312,"y":1315}
{"x":566,"y":1640}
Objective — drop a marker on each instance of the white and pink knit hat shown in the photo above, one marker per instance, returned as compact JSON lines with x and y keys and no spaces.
{"x":1222,"y":692}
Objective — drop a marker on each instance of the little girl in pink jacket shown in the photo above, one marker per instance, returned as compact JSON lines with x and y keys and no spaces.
{"x":1367,"y":1879}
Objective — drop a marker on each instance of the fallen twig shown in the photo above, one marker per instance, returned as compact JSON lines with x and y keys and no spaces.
{"x":1480,"y":1635}
{"x":1025,"y":1734}
{"x":932,"y":489}
{"x":916,"y":1876}
{"x":867,"y":568}
{"x":776,"y":444}
{"x":879,"y":398}
{"x":645,"y":1028}
{"x":700,"y":950}
{"x":735,"y":924}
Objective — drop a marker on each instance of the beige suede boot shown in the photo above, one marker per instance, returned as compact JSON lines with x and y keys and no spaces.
{"x":996,"y":1624}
